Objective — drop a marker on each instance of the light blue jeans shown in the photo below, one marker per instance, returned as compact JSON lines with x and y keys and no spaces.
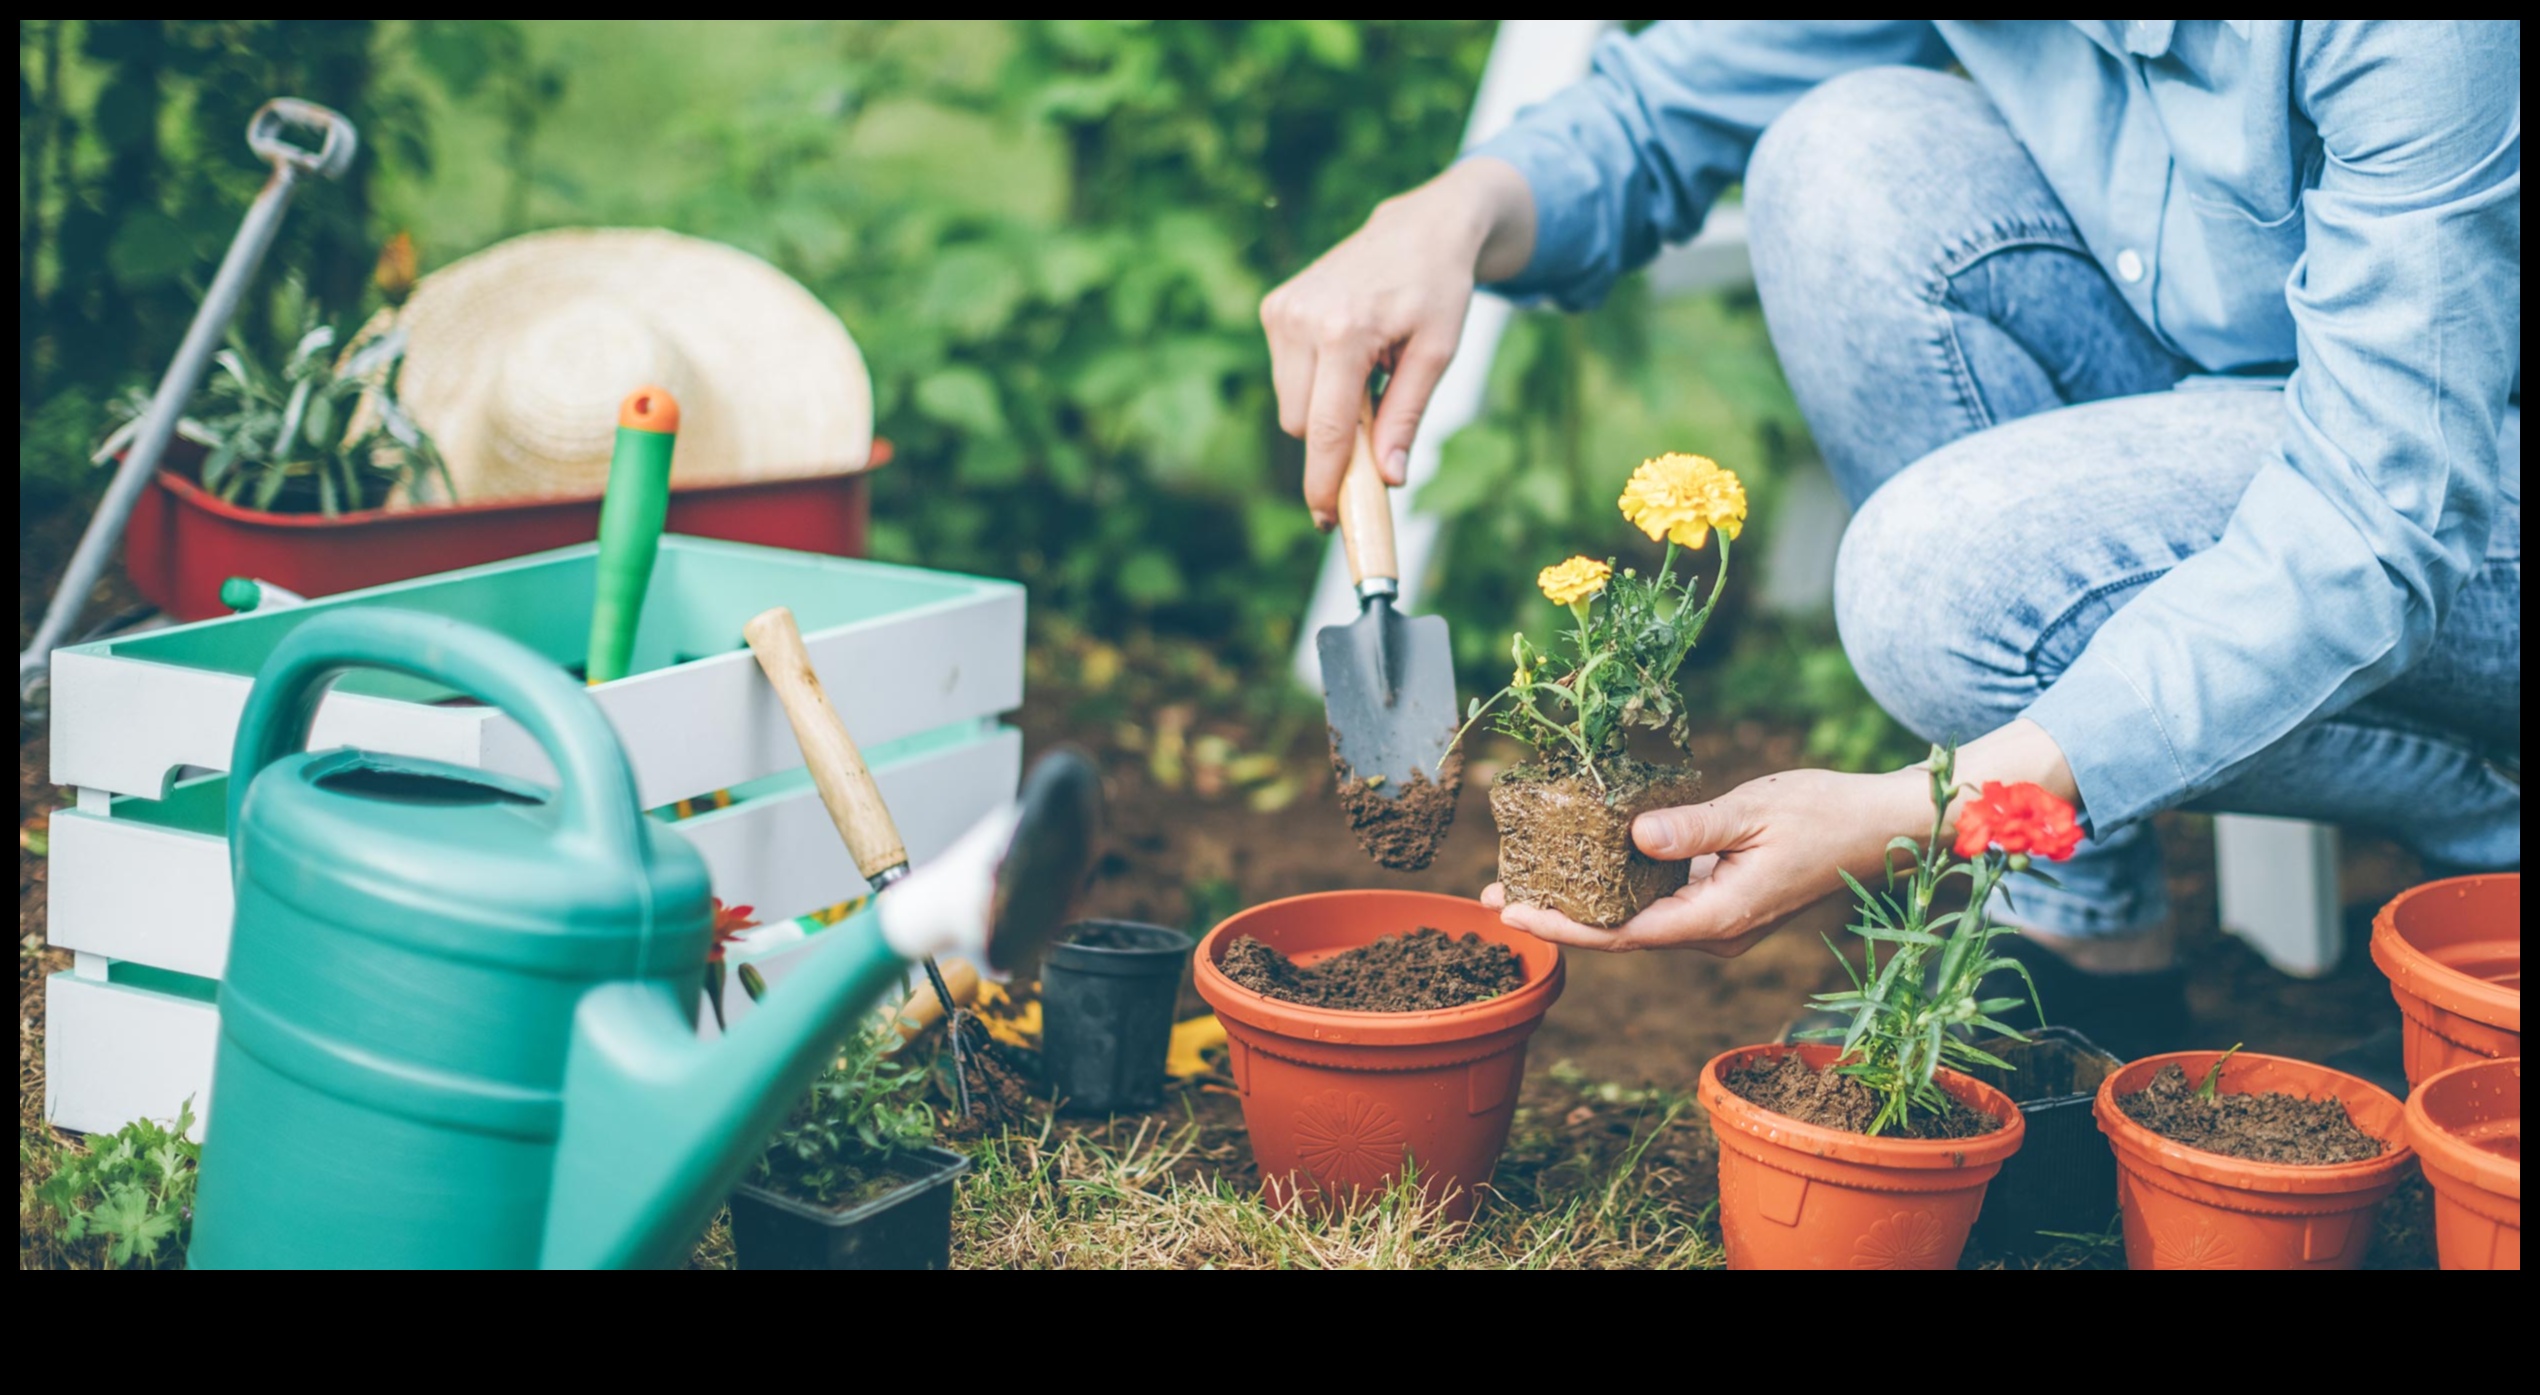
{"x":2025,"y":456}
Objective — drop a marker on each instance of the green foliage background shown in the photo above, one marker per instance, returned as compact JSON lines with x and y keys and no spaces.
{"x":1049,"y":237}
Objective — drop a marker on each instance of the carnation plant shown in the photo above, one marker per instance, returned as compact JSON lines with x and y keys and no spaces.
{"x":1577,"y":701}
{"x":1911,"y":1015}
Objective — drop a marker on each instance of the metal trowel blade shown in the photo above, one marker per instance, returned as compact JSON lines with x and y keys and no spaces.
{"x":1383,"y":654}
{"x":1049,"y":857}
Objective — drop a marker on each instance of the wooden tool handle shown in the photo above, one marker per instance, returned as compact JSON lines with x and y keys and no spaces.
{"x":1366,"y":511}
{"x":837,"y":767}
{"x":923,"y":1009}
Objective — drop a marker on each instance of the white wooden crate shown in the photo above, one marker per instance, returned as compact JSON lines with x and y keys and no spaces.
{"x":919,"y":664}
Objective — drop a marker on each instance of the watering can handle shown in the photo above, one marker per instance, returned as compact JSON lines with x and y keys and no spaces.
{"x":597,"y":791}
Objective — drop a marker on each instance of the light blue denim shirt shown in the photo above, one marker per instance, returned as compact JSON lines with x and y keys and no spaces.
{"x":2340,"y":199}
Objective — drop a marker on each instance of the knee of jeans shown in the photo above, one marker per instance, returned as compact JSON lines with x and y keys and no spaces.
{"x":1916,"y":645}
{"x":1820,"y":162}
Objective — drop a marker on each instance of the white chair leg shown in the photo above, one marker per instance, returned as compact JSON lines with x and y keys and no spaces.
{"x":2277,"y":881}
{"x":1799,"y":554}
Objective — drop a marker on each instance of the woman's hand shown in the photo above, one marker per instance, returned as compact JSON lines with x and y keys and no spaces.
{"x":1393,"y":294}
{"x":1769,"y":848}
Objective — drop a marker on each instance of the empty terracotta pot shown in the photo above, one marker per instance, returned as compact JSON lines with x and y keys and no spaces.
{"x":2453,"y":951}
{"x":1802,"y":1196}
{"x":1338,"y":1103}
{"x":2466,"y":1127}
{"x":2185,"y":1208}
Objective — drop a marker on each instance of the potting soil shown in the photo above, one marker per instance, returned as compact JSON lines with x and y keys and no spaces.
{"x":1106,"y":934}
{"x":2261,"y":1127}
{"x":1421,"y":971}
{"x":1791,"y":1087}
{"x":1400,"y":829}
{"x":1565,"y":844}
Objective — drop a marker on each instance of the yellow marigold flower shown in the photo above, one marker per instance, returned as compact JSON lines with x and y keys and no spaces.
{"x":1683,"y":497}
{"x":1574,"y":581}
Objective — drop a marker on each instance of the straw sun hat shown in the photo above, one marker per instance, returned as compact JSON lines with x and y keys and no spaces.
{"x":516,"y":359}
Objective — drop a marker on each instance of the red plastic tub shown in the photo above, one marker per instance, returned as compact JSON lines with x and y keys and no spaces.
{"x":183,"y":541}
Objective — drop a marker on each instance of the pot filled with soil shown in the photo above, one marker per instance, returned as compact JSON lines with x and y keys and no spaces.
{"x":1802,"y":1187}
{"x":2466,"y":1127}
{"x":1566,"y":844}
{"x":897,"y":1214}
{"x":2063,"y":1178}
{"x":1375,"y":1032}
{"x":1107,"y":994}
{"x":2280,"y":1164}
{"x":2453,"y":951}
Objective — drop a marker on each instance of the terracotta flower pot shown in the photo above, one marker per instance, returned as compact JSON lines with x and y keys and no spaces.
{"x":1802,"y":1196}
{"x":1338,"y":1103}
{"x":2185,"y":1208}
{"x":2453,"y":951}
{"x":2466,"y":1127}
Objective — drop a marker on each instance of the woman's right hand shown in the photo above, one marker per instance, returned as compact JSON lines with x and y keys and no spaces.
{"x":1392,"y":295}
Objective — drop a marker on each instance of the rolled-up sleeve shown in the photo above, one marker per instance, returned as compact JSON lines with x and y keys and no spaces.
{"x":1632,"y":157}
{"x":2350,"y":545}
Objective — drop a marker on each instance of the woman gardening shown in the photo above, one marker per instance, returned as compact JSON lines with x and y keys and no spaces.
{"x":2172,"y":368}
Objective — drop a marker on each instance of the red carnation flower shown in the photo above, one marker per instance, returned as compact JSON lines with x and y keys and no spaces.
{"x":729,"y":922}
{"x":2020,"y":818}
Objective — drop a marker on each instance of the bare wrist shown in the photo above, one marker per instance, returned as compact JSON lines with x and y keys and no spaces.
{"x":1486,"y":210}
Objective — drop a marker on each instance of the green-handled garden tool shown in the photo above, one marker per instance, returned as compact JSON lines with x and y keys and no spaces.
{"x":631,"y":516}
{"x":1388,"y":689}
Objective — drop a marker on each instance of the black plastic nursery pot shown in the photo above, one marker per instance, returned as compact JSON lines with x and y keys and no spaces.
{"x":2063,"y":1178}
{"x":1107,"y":993}
{"x":908,"y":1227}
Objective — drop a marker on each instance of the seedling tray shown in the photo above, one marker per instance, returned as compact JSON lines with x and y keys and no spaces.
{"x":2063,"y":1180}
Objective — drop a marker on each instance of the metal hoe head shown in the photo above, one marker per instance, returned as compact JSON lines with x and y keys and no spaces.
{"x":1389,"y":693}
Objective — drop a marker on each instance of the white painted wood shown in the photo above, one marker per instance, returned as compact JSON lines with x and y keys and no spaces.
{"x":125,"y":725}
{"x":2277,"y":881}
{"x":113,"y":1054}
{"x":1807,"y":534}
{"x":126,"y":890}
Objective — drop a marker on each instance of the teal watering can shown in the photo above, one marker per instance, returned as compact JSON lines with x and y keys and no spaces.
{"x":459,"y":1022}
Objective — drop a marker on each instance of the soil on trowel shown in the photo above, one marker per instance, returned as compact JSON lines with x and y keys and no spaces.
{"x":1566,"y":845}
{"x":1400,"y":827}
{"x":2263,"y":1127}
{"x":1417,"y":972}
{"x":1790,"y":1086}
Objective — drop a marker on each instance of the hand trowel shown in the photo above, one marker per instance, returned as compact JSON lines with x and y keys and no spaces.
{"x":846,"y":786}
{"x":1388,"y":689}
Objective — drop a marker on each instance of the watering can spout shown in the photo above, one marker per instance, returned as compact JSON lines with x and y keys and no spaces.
{"x":659,"y":1125}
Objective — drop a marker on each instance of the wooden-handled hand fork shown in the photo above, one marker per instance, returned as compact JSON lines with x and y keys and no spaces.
{"x":845,"y":784}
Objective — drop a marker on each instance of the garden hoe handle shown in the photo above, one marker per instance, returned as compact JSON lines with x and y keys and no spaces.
{"x":1367,"y":516}
{"x":337,"y":143}
{"x":837,"y":767}
{"x":631,"y":516}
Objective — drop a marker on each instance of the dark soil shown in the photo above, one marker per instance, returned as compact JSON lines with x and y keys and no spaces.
{"x":1400,"y":822}
{"x":1000,"y":1079}
{"x":1105,"y":934}
{"x":1419,"y":972}
{"x":1567,"y":846}
{"x":1791,"y":1087}
{"x":2269,"y":1127}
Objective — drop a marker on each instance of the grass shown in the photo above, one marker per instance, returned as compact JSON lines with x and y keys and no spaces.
{"x":1154,"y":1193}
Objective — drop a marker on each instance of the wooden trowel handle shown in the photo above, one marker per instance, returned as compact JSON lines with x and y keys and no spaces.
{"x":837,"y":767}
{"x":1366,"y":512}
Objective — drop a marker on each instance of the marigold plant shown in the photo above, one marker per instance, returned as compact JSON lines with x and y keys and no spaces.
{"x":1914,"y":1013}
{"x":1577,"y":702}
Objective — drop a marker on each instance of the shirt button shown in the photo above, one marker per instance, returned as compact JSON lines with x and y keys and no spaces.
{"x":2130,"y":264}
